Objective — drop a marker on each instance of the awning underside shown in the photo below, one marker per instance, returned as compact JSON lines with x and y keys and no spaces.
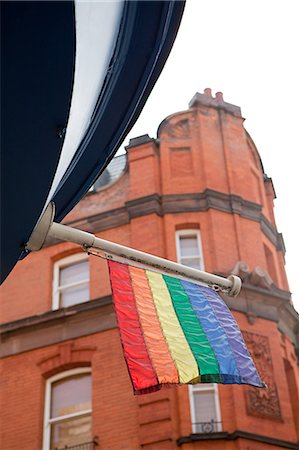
{"x":43,"y":86}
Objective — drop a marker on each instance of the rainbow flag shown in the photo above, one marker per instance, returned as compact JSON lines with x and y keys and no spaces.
{"x":176,"y":332}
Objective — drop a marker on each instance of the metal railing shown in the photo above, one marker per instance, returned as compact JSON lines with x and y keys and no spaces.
{"x":207,"y":427}
{"x":83,"y":446}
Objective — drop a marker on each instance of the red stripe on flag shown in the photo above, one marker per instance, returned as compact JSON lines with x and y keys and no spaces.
{"x":135,"y":351}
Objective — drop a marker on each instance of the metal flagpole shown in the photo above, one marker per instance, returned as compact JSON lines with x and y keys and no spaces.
{"x":47,"y":228}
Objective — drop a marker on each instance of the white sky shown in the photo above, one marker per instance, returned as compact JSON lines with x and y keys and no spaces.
{"x":247,"y":49}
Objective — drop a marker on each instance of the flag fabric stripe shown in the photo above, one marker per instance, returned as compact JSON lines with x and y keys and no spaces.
{"x":136,"y":354}
{"x":205,"y":314}
{"x":243,"y":360}
{"x":178,"y":345}
{"x":174,"y":331}
{"x":158,"y":349}
{"x":199,"y":344}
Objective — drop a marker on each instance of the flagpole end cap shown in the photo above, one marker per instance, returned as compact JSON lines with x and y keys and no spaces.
{"x":236,"y":285}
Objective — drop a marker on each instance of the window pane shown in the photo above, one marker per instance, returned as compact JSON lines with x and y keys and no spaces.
{"x":204,"y":409}
{"x":191,"y":262}
{"x":71,"y":395}
{"x":189,"y":246}
{"x":71,"y":432}
{"x":75,"y":272}
{"x":74,"y":295}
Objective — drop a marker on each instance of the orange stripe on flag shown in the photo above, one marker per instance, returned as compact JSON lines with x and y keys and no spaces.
{"x":159,"y":353}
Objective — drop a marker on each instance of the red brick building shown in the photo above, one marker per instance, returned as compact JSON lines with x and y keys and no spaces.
{"x":197,"y":194}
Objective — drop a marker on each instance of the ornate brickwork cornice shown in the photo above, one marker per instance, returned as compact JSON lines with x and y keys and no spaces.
{"x":151,"y":204}
{"x":210,"y":199}
{"x":179,"y":203}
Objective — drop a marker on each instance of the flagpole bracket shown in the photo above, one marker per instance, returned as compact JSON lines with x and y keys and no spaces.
{"x":41,"y":230}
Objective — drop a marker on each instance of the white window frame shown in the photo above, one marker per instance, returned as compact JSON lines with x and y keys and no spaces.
{"x":209,"y":387}
{"x":47,"y":409}
{"x":189,"y":232}
{"x":60,"y":264}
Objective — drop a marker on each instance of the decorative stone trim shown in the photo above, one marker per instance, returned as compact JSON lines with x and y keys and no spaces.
{"x":57,"y":326}
{"x":238,"y":434}
{"x":178,"y":203}
{"x":150,"y":204}
{"x":68,"y":323}
{"x":258,"y":277}
{"x":262,"y":403}
{"x":67,"y":357}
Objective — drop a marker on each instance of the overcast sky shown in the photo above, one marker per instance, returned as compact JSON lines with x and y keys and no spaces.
{"x":248,"y":49}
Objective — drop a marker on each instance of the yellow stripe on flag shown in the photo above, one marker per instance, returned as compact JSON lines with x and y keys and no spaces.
{"x":178,"y":345}
{"x":158,"y":349}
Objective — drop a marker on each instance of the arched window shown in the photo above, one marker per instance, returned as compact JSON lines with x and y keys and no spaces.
{"x":67,"y":419}
{"x":71,"y":281}
{"x":189,"y":249}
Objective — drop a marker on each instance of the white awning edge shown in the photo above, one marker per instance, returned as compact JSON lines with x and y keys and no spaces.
{"x":97,"y":28}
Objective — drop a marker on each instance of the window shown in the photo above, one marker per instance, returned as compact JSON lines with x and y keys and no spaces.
{"x":270,"y":261}
{"x":204,"y":400}
{"x":189,"y":251}
{"x":205,"y":408}
{"x":67,"y":420}
{"x":71,"y":281}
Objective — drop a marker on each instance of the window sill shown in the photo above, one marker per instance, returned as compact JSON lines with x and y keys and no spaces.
{"x":238,"y":434}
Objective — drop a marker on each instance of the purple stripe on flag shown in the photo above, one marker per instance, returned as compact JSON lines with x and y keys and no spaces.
{"x":242,"y":357}
{"x":205,"y":314}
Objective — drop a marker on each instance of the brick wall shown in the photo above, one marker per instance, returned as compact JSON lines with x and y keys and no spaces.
{"x":203,"y":172}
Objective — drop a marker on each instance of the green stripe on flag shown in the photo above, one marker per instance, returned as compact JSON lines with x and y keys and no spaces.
{"x":195,"y":335}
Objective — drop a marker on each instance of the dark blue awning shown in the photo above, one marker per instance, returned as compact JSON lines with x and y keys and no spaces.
{"x":74,"y":79}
